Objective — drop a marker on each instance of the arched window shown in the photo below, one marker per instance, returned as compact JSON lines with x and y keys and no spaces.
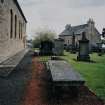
{"x":2,"y":1}
{"x":15,"y":26}
{"x":11,"y":23}
{"x":19,"y":30}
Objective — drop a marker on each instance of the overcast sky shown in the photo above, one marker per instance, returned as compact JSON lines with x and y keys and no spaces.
{"x":55,"y":14}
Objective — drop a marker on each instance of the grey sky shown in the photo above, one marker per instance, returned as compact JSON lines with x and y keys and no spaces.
{"x":55,"y":14}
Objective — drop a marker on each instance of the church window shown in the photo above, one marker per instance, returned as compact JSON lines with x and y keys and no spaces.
{"x":19,"y":30}
{"x":11,"y":23}
{"x":15,"y":26}
{"x":2,"y":1}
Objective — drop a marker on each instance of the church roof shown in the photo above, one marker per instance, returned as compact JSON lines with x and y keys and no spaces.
{"x":77,"y":30}
{"x":18,"y":6}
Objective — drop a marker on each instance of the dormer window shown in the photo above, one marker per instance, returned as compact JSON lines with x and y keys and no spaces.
{"x":2,"y":1}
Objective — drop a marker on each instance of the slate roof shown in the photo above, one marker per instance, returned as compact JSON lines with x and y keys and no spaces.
{"x":18,"y":6}
{"x":76,"y":29}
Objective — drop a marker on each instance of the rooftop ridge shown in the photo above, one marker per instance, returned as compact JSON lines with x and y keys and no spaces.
{"x":79,"y":25}
{"x":18,"y":6}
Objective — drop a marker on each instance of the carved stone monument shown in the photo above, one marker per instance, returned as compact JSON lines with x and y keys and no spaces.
{"x":62,"y":78}
{"x":73,"y":50}
{"x":103,"y":32}
{"x":58,"y":47}
{"x":83,"y":54}
{"x":101,"y":45}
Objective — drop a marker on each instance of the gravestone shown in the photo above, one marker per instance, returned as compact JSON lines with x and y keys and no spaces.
{"x":83,"y":54}
{"x":46,"y":47}
{"x":103,"y":32}
{"x":63,"y":76}
{"x":101,"y":46}
{"x":58,"y":47}
{"x":99,"y":49}
{"x":73,"y":49}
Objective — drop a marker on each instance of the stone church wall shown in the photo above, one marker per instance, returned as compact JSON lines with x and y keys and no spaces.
{"x":10,"y":44}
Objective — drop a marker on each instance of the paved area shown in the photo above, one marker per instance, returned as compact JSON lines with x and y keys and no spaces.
{"x":7,"y":66}
{"x":12,"y":87}
{"x":2,"y":59}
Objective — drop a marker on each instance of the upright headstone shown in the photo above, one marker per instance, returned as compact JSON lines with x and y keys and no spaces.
{"x":99,"y":49}
{"x":103,"y":32}
{"x":73,"y":49}
{"x":101,"y":46}
{"x":83,"y":54}
{"x":103,"y":41}
{"x":58,"y":47}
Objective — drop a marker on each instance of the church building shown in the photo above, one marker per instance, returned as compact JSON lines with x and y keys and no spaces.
{"x":12,"y":29}
{"x":89,"y":28}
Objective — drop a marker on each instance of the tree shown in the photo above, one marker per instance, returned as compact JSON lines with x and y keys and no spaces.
{"x":43,"y":35}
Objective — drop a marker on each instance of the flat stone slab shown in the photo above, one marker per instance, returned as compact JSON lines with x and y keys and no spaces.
{"x":14,"y":60}
{"x":9,"y":65}
{"x":62,"y":72}
{"x":2,"y":59}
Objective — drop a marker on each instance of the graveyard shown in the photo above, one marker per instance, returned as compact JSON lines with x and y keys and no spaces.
{"x":53,"y":75}
{"x":29,"y":83}
{"x":37,"y":90}
{"x":43,"y":65}
{"x":93,"y":72}
{"x":50,"y":78}
{"x":89,"y":64}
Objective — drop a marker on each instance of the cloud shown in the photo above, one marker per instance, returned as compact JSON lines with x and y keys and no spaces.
{"x":55,"y":14}
{"x":67,"y":3}
{"x":86,"y":3}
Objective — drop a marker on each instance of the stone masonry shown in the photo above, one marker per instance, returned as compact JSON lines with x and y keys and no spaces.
{"x":92,"y":33}
{"x":12,"y":29}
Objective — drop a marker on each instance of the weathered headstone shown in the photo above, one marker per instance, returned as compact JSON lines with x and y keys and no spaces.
{"x":58,"y":47}
{"x":101,"y":46}
{"x":83,"y":54}
{"x":99,"y":49}
{"x":73,"y":49}
{"x":103,"y":32}
{"x":63,"y":76}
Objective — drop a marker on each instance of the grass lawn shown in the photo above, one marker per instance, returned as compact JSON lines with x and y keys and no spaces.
{"x":44,"y":58}
{"x":93,"y":73}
